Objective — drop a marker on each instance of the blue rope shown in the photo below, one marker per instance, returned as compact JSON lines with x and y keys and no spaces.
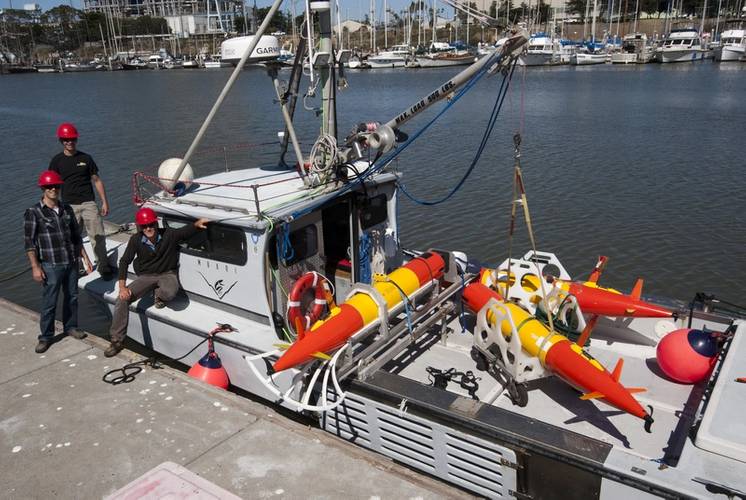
{"x":386,"y":159}
{"x":364,"y":255}
{"x":487,"y":133}
{"x":287,"y":253}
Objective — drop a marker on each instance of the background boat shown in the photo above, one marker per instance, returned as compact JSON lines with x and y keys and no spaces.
{"x":543,"y":50}
{"x":681,"y":45}
{"x":441,"y":54}
{"x":732,"y":45}
{"x":395,"y":57}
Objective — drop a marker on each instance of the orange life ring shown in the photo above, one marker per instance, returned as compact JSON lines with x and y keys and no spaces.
{"x":302,"y":322}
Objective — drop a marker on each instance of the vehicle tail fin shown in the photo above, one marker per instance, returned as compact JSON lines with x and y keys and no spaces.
{"x":600,"y":266}
{"x":635,"y":390}
{"x":592,"y":395}
{"x":617,"y":370}
{"x":637,"y":289}
{"x":586,"y":333}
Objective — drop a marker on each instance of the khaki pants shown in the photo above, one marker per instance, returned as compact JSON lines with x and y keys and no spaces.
{"x":166,"y":287}
{"x":88,"y":216}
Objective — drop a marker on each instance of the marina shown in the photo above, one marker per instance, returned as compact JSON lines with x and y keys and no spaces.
{"x":347,"y":289}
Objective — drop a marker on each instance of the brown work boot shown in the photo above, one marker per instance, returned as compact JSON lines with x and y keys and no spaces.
{"x":42,"y":346}
{"x":113,"y":349}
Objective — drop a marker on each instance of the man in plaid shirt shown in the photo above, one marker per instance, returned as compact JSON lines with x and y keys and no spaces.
{"x":53,"y":244}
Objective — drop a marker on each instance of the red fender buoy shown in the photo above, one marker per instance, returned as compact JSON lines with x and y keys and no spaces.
{"x":210,"y":369}
{"x":296,"y":319}
{"x":687,"y":355}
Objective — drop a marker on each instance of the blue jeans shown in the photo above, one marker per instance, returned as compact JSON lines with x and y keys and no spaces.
{"x":66,"y":278}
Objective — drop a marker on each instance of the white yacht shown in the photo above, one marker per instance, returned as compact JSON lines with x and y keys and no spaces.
{"x":396,"y":57}
{"x":635,"y":50}
{"x":732,"y":46}
{"x":681,"y":45}
{"x":543,"y":50}
{"x":156,"y":61}
{"x":321,"y":310}
{"x":583,"y":56}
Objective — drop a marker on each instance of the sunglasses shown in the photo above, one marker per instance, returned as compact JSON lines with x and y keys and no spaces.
{"x":69,"y":140}
{"x":151,"y":225}
{"x":53,"y":186}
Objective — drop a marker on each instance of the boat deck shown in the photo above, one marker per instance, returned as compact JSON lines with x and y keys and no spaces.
{"x":552,"y":401}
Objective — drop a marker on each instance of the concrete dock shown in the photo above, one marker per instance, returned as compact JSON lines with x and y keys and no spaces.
{"x":65,"y":433}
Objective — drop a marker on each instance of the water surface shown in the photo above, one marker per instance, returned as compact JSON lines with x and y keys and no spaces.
{"x":640,"y":163}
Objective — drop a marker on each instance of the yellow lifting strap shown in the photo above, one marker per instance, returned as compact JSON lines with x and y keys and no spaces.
{"x":520,"y":190}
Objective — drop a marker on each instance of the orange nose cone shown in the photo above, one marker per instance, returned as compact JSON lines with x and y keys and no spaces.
{"x":330,"y":335}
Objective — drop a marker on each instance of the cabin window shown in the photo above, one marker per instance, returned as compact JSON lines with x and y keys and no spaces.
{"x":218,"y":242}
{"x":374,"y":212}
{"x":304,"y":243}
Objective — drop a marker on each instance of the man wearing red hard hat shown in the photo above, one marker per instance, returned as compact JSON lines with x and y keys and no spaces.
{"x":80,"y":174}
{"x":155,"y":253}
{"x":53,"y":244}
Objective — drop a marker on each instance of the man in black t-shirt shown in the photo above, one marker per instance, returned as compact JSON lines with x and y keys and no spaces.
{"x":80,"y":174}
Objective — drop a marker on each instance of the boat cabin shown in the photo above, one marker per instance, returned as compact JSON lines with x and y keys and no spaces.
{"x":240,"y":249}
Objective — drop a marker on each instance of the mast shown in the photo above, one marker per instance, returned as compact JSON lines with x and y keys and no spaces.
{"x":435,"y":20}
{"x":385,"y":25}
{"x":219,"y":101}
{"x":593,"y":25}
{"x":704,"y":13}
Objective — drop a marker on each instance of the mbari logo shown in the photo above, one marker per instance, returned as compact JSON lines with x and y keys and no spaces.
{"x":219,"y":287}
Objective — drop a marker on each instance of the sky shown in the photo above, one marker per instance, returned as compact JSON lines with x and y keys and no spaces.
{"x":355,"y":8}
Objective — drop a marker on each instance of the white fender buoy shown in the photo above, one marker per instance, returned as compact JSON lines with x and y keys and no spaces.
{"x":168,"y":168}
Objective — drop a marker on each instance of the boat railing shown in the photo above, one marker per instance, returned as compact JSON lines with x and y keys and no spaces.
{"x":259,"y":196}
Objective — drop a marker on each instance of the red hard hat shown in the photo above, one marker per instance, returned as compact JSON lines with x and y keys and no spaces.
{"x":67,"y":131}
{"x":49,"y":178}
{"x":145,"y":216}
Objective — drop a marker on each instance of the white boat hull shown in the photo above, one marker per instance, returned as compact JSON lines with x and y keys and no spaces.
{"x":680,"y":55}
{"x":439,"y":62}
{"x":538,"y":59}
{"x":730,"y":53}
{"x":588,"y":59}
{"x":623,"y":58}
{"x":380,"y":63}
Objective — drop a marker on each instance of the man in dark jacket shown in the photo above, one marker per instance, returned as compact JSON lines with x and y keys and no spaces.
{"x":53,"y":244}
{"x":155,"y":253}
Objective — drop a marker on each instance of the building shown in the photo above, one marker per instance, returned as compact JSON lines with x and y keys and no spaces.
{"x":184,"y":17}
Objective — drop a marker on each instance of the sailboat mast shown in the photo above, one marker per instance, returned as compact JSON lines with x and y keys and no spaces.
{"x":593,"y":24}
{"x":435,"y":20}
{"x":704,"y":13}
{"x":585,"y":20}
{"x":385,"y":24}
